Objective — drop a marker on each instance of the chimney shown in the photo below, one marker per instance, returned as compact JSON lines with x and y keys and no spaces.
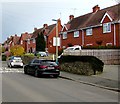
{"x":71,"y":17}
{"x":45,"y":25}
{"x":35,"y":29}
{"x":26,"y":32}
{"x":96,"y":8}
{"x":59,"y":21}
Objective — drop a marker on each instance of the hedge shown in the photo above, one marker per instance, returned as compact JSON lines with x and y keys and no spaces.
{"x":84,"y":65}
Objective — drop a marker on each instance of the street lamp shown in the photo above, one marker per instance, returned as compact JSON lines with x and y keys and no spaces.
{"x":56,"y":40}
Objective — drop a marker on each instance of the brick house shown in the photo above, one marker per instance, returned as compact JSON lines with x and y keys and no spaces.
{"x":11,"y":41}
{"x":100,"y":27}
{"x":49,"y":32}
{"x":25,"y":40}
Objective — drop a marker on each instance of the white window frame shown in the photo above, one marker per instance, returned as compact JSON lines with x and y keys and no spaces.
{"x":107,"y":27}
{"x":28,"y":41}
{"x":21,"y":41}
{"x":89,"y":32}
{"x":33,"y":40}
{"x":64,"y":35}
{"x":76,"y":34}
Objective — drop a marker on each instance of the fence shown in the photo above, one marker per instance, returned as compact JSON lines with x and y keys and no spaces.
{"x":108,"y":56}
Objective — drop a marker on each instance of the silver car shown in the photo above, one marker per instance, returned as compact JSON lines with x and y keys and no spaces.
{"x":15,"y":61}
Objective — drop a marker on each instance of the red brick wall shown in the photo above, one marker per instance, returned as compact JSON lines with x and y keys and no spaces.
{"x":72,"y":40}
{"x":51,"y":48}
{"x":97,"y":35}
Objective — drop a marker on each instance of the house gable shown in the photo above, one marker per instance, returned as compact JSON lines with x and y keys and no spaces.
{"x":64,"y":28}
{"x":109,"y":19}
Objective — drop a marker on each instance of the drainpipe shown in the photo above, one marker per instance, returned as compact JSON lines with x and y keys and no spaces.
{"x":82,"y":38}
{"x":114,"y":35}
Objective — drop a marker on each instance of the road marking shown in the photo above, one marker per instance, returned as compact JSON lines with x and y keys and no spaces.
{"x":10,"y":70}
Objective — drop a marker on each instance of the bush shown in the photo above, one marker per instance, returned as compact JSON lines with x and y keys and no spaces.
{"x":27,"y":58}
{"x":84,"y":65}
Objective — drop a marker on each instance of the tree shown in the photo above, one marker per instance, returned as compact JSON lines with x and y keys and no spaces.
{"x":40,"y":42}
{"x":17,"y":50}
{"x":2,"y":49}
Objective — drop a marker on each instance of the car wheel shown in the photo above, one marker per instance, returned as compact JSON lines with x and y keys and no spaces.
{"x":36,"y":73}
{"x":55,"y":76}
{"x":10,"y":66}
{"x":25,"y":71}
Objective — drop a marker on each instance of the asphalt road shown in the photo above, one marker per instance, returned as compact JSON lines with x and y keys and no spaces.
{"x":18,"y":87}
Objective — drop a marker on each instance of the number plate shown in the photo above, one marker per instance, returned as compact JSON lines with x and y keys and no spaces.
{"x":50,"y":67}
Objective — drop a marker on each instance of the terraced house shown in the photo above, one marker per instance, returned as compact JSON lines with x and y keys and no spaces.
{"x":100,"y":27}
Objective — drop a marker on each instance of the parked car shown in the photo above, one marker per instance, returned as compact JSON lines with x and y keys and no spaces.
{"x":15,"y":61}
{"x":38,"y":67}
{"x":41,"y":53}
{"x":73,"y":48}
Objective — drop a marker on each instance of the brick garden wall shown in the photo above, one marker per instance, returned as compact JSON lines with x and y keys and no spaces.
{"x":108,"y":56}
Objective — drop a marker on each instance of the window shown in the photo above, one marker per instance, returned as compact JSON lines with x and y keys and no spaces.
{"x":64,"y":35}
{"x":76,"y":34}
{"x":21,"y":41}
{"x":36,"y":61}
{"x":28,"y":41}
{"x":106,"y":27}
{"x":89,"y":31}
{"x":33,"y":40}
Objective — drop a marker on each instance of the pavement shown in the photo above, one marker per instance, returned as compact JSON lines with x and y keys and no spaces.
{"x":108,"y":79}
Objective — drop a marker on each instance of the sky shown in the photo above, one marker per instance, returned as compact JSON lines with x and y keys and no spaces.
{"x":20,"y":16}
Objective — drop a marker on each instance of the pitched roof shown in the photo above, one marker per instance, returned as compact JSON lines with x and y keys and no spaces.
{"x":46,"y":30}
{"x":92,"y":19}
{"x":49,"y":29}
{"x":35,"y":33}
{"x":16,"y":39}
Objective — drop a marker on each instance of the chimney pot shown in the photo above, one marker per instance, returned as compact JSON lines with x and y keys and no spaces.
{"x":71,"y":17}
{"x":45,"y":25}
{"x":35,"y":29}
{"x":96,"y":8}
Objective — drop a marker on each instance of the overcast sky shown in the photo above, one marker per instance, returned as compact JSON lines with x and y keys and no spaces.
{"x":19,"y":16}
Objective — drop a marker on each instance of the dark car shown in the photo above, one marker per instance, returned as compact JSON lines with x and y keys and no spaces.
{"x":39,"y":67}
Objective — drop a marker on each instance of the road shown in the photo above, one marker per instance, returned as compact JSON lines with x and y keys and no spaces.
{"x":18,"y":87}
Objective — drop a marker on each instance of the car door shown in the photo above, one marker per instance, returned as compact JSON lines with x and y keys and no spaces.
{"x":33,"y":66}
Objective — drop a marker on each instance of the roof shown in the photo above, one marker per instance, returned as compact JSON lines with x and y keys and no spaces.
{"x":35,"y":33}
{"x":92,"y":19}
{"x":46,"y":30}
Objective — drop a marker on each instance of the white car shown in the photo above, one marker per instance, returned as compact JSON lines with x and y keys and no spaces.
{"x":15,"y":61}
{"x":73,"y":48}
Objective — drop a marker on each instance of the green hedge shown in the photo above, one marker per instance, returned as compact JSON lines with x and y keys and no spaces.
{"x":86,"y":64}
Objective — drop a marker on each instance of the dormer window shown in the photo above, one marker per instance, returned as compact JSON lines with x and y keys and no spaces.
{"x":106,"y":27}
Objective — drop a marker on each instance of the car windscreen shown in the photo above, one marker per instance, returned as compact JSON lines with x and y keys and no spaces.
{"x":70,"y":48}
{"x":17,"y":58}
